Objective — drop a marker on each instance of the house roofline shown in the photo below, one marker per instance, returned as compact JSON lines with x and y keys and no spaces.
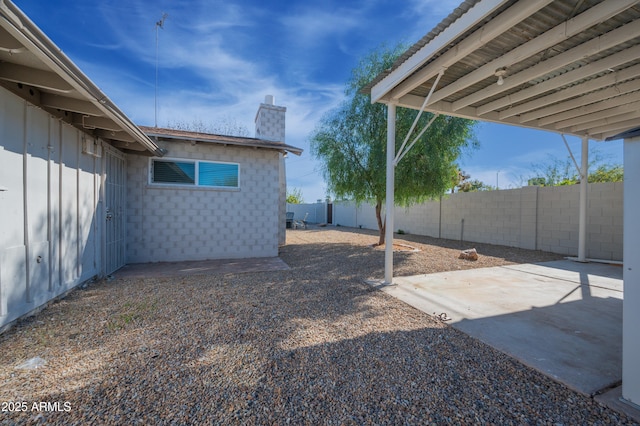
{"x":46,"y":51}
{"x":241,"y":141}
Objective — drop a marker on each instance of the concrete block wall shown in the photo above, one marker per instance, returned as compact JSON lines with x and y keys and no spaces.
{"x":348,"y":213}
{"x":317,"y":212}
{"x":345,"y":214}
{"x":366,"y":215}
{"x":534,"y":218}
{"x":558,"y":218}
{"x":604,"y":218}
{"x":169,"y":223}
{"x":494,"y":217}
{"x":421,"y":219}
{"x":528,"y":217}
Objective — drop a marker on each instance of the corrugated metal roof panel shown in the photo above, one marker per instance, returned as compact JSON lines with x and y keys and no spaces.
{"x":582,"y":64}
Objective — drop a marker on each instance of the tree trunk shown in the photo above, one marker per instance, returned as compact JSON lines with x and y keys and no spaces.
{"x":381,"y":225}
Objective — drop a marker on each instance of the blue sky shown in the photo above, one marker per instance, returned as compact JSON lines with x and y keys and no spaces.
{"x":218,"y":60}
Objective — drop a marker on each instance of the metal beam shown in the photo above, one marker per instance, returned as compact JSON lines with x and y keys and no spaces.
{"x":442,"y":107}
{"x":401,"y":154}
{"x":613,"y":115}
{"x":615,"y":127}
{"x":603,"y":136}
{"x":479,"y":38}
{"x":550,"y":38}
{"x":588,"y":70}
{"x":578,"y":53}
{"x":587,"y":110}
{"x":549,"y":105}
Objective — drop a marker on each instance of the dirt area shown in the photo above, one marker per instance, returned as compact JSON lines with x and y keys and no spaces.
{"x":434,"y":255}
{"x":308,"y":345}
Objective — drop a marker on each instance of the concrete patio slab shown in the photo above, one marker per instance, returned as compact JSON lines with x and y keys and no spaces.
{"x":562,"y":318}
{"x":218,"y":266}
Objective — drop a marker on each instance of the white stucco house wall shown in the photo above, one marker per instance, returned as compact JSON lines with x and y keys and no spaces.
{"x":79,"y":194}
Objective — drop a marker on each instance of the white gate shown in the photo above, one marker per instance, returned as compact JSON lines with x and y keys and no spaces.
{"x":114,"y":211}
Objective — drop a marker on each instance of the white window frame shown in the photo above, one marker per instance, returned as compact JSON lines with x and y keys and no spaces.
{"x":196,"y":184}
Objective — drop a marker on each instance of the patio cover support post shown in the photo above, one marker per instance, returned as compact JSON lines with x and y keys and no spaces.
{"x":389,"y":201}
{"x":584,"y":181}
{"x":631,"y":274}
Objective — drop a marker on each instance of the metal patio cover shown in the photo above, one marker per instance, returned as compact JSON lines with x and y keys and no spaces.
{"x":568,"y":66}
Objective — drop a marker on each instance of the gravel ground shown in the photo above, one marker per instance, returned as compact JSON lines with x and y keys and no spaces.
{"x":311,"y":345}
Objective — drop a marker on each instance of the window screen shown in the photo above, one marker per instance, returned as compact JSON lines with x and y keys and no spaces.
{"x":218,"y":174}
{"x":176,"y":172}
{"x":197,"y":173}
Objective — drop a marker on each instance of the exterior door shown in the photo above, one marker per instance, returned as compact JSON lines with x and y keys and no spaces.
{"x":114,"y":210}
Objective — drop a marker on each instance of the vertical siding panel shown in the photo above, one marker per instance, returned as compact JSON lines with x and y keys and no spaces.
{"x":49,"y":193}
{"x":86,"y":213}
{"x":25,"y":220}
{"x":3,"y":202}
{"x":49,"y":203}
{"x":60,"y":206}
{"x":98,"y":223}
{"x":68,"y":210}
{"x":54,"y":207}
{"x":36,"y":196}
{"x":79,"y":137}
{"x":12,"y":248}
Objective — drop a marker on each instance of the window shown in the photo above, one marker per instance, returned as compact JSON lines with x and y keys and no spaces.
{"x":195,"y":173}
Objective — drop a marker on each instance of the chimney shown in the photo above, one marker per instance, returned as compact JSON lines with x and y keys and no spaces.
{"x":270,"y":120}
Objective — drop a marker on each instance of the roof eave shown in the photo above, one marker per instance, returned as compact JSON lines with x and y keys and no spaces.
{"x":46,"y":51}
{"x":266,"y":145}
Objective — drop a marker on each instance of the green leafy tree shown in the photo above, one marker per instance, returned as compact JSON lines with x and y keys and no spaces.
{"x":559,"y":172}
{"x":475,"y":185}
{"x":295,"y":196}
{"x":350,"y":141}
{"x":463,"y":183}
{"x":607,"y":173}
{"x":459,"y":179}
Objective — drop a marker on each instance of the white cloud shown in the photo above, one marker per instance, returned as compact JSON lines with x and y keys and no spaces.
{"x":210,"y":68}
{"x":313,"y":26}
{"x":438,"y":9}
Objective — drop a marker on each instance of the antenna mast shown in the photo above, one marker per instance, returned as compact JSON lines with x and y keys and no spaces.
{"x":159,"y":24}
